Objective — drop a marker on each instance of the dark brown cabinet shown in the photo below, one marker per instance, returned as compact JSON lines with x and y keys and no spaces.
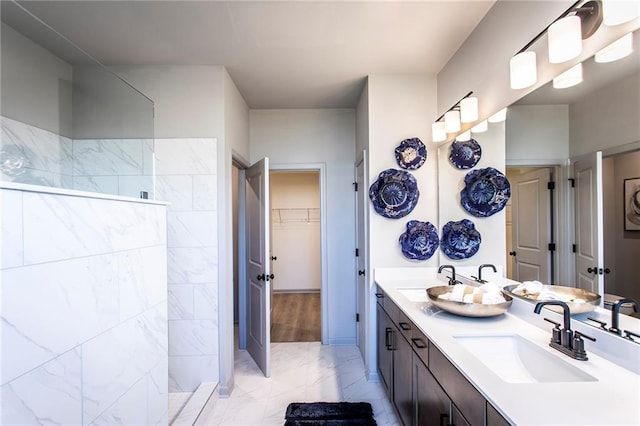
{"x":423,"y":385}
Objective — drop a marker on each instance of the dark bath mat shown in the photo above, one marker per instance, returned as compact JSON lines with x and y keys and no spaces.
{"x":329,"y":413}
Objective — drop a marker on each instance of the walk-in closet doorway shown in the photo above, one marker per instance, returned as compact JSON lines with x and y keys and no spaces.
{"x":295,"y":255}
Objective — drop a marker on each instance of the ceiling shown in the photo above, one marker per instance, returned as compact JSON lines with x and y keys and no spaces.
{"x":280,"y":54}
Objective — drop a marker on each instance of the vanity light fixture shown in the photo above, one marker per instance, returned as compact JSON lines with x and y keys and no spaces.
{"x":522,"y":70}
{"x":452,"y":121}
{"x":481,"y":127}
{"x":449,"y":122}
{"x":565,"y":39}
{"x":617,"y":12}
{"x":464,"y":136}
{"x":564,"y":35}
{"x":616,"y":50}
{"x":469,"y":109}
{"x":498,"y":116}
{"x":438,"y":133}
{"x":569,"y":78}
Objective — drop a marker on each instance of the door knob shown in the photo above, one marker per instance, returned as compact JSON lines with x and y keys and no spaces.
{"x":274,"y":257}
{"x":512,"y":253}
{"x":607,"y":270}
{"x":268,"y":277}
{"x":260,"y":277}
{"x":593,"y":270}
{"x":361,"y":272}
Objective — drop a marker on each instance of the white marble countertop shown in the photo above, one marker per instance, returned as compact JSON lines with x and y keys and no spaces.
{"x":612,"y":399}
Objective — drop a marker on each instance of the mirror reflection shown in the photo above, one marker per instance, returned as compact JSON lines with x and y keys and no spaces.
{"x":67,"y":121}
{"x":587,"y":135}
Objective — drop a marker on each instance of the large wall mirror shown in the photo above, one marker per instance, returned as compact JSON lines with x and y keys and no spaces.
{"x":67,"y":121}
{"x":579,"y":230}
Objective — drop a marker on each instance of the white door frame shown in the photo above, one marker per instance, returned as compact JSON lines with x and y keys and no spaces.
{"x":324,"y":290}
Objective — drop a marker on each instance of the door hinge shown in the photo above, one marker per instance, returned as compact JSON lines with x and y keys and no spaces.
{"x":357,"y":252}
{"x":552,"y":246}
{"x":551,"y":185}
{"x":355,"y":186}
{"x":573,"y":182}
{"x":357,"y":317}
{"x":574,"y":248}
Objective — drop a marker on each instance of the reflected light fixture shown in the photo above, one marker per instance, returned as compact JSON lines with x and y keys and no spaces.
{"x":522,"y":70}
{"x":481,"y":127}
{"x":438,"y":133}
{"x":469,"y":109}
{"x":452,"y":121}
{"x":464,"y":136}
{"x":569,"y":78}
{"x":565,"y":39}
{"x":616,"y":50}
{"x":616,"y":12}
{"x":498,"y":116}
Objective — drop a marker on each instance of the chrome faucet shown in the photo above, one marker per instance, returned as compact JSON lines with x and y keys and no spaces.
{"x":615,"y":314}
{"x":452,"y":278}
{"x":565,"y":340}
{"x":481,"y":267}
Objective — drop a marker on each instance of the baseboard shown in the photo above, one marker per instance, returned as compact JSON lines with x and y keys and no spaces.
{"x":343,"y":341}
{"x":296,"y":291}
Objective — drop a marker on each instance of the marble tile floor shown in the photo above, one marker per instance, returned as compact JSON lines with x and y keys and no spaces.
{"x":177,"y":400}
{"x":300,"y":372}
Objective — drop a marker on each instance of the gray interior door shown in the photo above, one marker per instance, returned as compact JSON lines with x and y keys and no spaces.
{"x":587,"y":172}
{"x":531,"y":217}
{"x":258,"y":264}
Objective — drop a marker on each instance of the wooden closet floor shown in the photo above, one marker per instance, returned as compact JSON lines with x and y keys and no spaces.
{"x":296,"y":317}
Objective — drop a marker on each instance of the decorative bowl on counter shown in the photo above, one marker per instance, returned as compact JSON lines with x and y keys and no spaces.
{"x":467,"y":309}
{"x":579,"y":301}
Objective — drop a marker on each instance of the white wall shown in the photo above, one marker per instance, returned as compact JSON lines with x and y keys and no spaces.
{"x":362,"y":120}
{"x":295,"y":231}
{"x":607,"y":118}
{"x":190,"y":132}
{"x":321,"y":136}
{"x":36,"y":85}
{"x":84,"y":310}
{"x":537,"y":134}
{"x":401,"y":107}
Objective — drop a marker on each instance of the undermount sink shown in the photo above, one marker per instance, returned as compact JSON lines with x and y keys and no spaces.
{"x":414,"y":294}
{"x":517,"y":360}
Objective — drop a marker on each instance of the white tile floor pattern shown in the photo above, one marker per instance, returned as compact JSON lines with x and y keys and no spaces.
{"x":300,"y":372}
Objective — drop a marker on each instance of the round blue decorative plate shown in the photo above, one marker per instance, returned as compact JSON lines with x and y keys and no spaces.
{"x":394,"y":194}
{"x":485,"y":193}
{"x":465,"y":154}
{"x":411,"y":154}
{"x":460,"y":240}
{"x":419,"y":241}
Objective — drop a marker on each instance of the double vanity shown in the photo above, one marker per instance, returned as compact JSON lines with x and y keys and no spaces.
{"x":443,"y":369}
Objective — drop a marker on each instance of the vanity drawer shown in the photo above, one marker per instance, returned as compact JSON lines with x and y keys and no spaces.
{"x":405,"y":325}
{"x":420,"y":344}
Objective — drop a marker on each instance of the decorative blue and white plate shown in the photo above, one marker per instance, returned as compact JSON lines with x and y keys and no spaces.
{"x":419,"y":241}
{"x":465,"y":154}
{"x":411,"y":154}
{"x":394,"y":194}
{"x":460,"y":240}
{"x":485,"y":193}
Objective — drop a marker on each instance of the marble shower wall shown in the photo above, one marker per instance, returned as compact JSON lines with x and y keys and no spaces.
{"x":83,"y":310}
{"x":109,"y":166}
{"x":186,"y":177}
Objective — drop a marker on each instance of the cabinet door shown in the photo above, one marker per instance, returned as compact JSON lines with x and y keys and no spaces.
{"x":456,"y":417}
{"x":402,"y":380}
{"x":385,"y":346}
{"x":462,"y":393}
{"x":431,"y":403}
{"x":494,"y":418}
